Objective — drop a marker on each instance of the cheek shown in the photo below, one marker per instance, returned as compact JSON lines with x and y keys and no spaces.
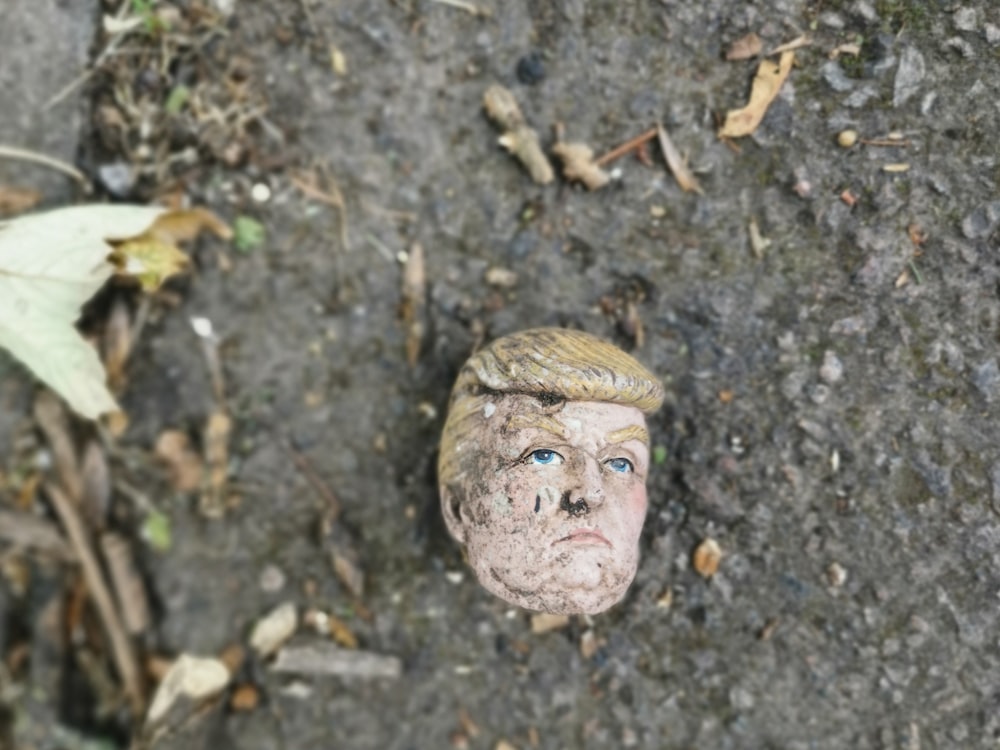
{"x":635,"y":508}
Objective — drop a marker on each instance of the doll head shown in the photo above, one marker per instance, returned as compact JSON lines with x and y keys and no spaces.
{"x":543,"y":466}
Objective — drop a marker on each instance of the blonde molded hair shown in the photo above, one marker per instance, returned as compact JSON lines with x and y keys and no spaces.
{"x":550,"y":363}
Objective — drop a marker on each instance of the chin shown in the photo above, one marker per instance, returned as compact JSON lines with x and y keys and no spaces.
{"x":564,"y":598}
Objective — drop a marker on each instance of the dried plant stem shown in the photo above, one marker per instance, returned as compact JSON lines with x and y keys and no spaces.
{"x":20,"y":154}
{"x":121,"y":646}
{"x":630,"y":145}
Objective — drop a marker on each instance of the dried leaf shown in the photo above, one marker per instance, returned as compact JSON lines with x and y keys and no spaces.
{"x":96,"y":484}
{"x":579,"y":165}
{"x":53,"y":421}
{"x":191,"y":678}
{"x":707,"y":557}
{"x":518,"y":138}
{"x":130,"y":592}
{"x":117,"y":343}
{"x":15,"y":200}
{"x":150,"y":262}
{"x":52,"y":262}
{"x":765,"y":87}
{"x":185,"y":466}
{"x":745,"y":47}
{"x":677,"y":165}
{"x":340,"y":633}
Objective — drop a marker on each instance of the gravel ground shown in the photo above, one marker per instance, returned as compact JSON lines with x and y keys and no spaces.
{"x":832,"y":418}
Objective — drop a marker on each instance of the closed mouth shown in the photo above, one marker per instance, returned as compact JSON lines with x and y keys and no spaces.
{"x":584,"y":536}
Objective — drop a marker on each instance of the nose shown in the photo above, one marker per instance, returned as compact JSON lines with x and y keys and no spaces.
{"x":587,"y":482}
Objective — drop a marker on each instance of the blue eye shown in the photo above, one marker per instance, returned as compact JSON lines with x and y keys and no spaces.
{"x":621,"y":465}
{"x":544,"y":457}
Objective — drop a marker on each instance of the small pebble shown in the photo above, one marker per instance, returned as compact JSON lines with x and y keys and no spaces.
{"x":847,"y":138}
{"x":260,"y":192}
{"x":544,"y":622}
{"x":707,"y":557}
{"x":531,"y":69}
{"x":274,"y":629}
{"x":832,"y":369}
{"x":836,"y":575}
{"x":272,"y":579}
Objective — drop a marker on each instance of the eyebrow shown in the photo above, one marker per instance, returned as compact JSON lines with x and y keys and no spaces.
{"x":635,"y":432}
{"x":536,"y":421}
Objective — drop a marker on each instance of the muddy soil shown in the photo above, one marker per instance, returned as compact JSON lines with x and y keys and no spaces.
{"x":832,"y":418}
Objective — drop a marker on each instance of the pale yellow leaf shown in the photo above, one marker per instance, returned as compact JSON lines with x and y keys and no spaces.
{"x":766,"y":84}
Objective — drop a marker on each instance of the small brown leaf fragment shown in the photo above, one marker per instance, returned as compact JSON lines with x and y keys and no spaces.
{"x":341,"y":633}
{"x":117,"y":343}
{"x":579,"y":165}
{"x":186,"y":224}
{"x":917,"y":234}
{"x":766,"y":85}
{"x":216,"y":439}
{"x":185,"y":466}
{"x":676,"y":163}
{"x":16,"y":200}
{"x":769,"y":629}
{"x":543,"y":622}
{"x":848,"y":197}
{"x":726,"y":396}
{"x":707,"y":557}
{"x":745,"y":47}
{"x":518,"y":138}
{"x":468,"y":725}
{"x":245,"y":697}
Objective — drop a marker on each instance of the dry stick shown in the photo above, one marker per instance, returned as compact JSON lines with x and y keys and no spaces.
{"x":20,"y":154}
{"x":121,"y":646}
{"x":629,"y":145}
{"x":302,"y":464}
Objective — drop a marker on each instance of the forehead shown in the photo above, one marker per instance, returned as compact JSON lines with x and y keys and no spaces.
{"x":516,"y":411}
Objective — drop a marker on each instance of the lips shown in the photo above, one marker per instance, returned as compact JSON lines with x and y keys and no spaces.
{"x":584,"y":536}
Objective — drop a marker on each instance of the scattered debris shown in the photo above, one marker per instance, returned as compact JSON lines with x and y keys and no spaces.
{"x":28,"y":531}
{"x":122,"y":649}
{"x":130,"y":591}
{"x":579,"y":165}
{"x":327,"y":659}
{"x":633,"y":144}
{"x":502,"y":278}
{"x":543,"y":622}
{"x":589,"y":644}
{"x":758,"y":243}
{"x":518,"y":138}
{"x":896,"y":168}
{"x":190,"y":679}
{"x":186,"y":469}
{"x":765,"y":87}
{"x":847,"y":138}
{"x":466,"y":6}
{"x":836,"y":575}
{"x":245,"y":697}
{"x":413,"y":303}
{"x":33,"y":157}
{"x":769,"y":629}
{"x":212,"y":503}
{"x":707,"y":556}
{"x":846,"y":196}
{"x":274,"y":629}
{"x":848,"y":48}
{"x":676,"y":163}
{"x":744,"y":48}
{"x":797,"y":43}
{"x":666,"y":599}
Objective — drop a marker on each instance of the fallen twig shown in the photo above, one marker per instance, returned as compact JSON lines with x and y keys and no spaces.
{"x":630,"y":145}
{"x":33,"y":157}
{"x":518,"y":137}
{"x":797,"y":43}
{"x":328,"y":659}
{"x":121,"y":647}
{"x":466,"y":6}
{"x":26,"y":530}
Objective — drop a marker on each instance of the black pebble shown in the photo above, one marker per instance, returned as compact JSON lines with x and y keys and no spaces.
{"x":530,"y":69}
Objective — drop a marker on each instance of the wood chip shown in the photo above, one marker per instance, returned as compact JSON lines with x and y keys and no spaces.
{"x":766,"y":85}
{"x":589,"y":644}
{"x":745,"y":47}
{"x":758,"y":243}
{"x":191,"y":678}
{"x":502,"y":278}
{"x":707,"y":557}
{"x":245,"y":697}
{"x":116,"y":343}
{"x":896,"y":168}
{"x":518,"y":138}
{"x":543,"y":622}
{"x":579,"y":165}
{"x":274,"y":629}
{"x":676,"y":163}
{"x":327,"y":659}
